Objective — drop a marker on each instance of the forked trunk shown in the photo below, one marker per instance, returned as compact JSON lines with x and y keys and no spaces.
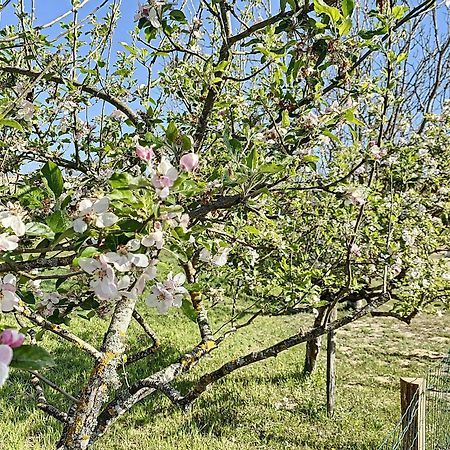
{"x":83,"y":417}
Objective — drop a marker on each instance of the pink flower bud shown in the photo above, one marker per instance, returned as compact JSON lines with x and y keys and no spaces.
{"x":189,"y":162}
{"x":12,"y":338}
{"x":144,"y":153}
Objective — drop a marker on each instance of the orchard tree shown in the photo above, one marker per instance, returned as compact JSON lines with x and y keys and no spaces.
{"x":226,"y":156}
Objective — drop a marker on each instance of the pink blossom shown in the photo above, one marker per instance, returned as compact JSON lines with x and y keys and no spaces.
{"x":164,"y":177}
{"x":12,"y":338}
{"x":189,"y":162}
{"x":144,"y":153}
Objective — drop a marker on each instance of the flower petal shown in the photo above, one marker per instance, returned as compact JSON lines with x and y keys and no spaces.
{"x":101,"y":205}
{"x":106,"y":220}
{"x":79,"y":225}
{"x":89,"y":265}
{"x":6,"y":354}
{"x":4,"y":372}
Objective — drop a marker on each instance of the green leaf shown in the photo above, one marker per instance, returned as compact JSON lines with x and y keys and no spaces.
{"x":345,"y":26}
{"x":121,"y":180}
{"x":31,"y":357}
{"x":252,"y":159}
{"x":188,"y":310}
{"x":178,"y":15}
{"x":186,"y":143}
{"x":171,"y":132}
{"x":39,"y":229}
{"x":370,"y":34}
{"x":271,"y":168}
{"x":129,"y":48}
{"x":321,"y":7}
{"x":251,"y":229}
{"x":328,"y":133}
{"x":399,"y":11}
{"x":11,"y":123}
{"x":28,"y":297}
{"x":347,"y":7}
{"x":130,"y":225}
{"x":58,"y":221}
{"x":222,"y":66}
{"x":54,"y":178}
{"x":88,"y":252}
{"x":285,"y":121}
{"x":350,"y":118}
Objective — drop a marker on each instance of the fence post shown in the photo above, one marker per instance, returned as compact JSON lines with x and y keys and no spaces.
{"x":331,"y":365}
{"x":412,"y":392}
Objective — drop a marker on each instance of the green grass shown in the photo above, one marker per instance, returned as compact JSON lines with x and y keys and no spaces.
{"x":265,"y":406}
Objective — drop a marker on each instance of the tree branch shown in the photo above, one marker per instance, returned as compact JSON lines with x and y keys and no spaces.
{"x":277,"y":348}
{"x":59,"y":331}
{"x":98,"y":93}
{"x":39,"y":263}
{"x":42,"y":403}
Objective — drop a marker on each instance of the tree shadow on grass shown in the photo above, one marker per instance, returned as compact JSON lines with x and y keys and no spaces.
{"x":71,"y":372}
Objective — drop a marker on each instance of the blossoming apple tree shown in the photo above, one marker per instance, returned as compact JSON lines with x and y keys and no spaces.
{"x":227,"y":156}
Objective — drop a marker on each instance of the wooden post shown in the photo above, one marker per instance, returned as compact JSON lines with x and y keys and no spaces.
{"x":331,"y":365}
{"x":412,"y":392}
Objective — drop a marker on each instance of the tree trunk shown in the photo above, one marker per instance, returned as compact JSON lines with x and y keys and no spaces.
{"x":83,"y":417}
{"x":313,"y":346}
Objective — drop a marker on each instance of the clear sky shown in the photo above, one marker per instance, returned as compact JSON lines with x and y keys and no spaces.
{"x":48,"y":10}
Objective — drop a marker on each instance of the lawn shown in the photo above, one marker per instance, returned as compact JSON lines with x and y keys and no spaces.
{"x":265,"y":406}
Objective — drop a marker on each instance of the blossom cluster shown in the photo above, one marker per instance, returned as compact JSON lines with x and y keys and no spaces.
{"x":164,"y":174}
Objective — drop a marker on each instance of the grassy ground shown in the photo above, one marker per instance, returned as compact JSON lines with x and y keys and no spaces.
{"x":265,"y":406}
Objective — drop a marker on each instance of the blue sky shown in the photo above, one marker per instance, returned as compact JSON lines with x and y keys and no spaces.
{"x":47,"y":10}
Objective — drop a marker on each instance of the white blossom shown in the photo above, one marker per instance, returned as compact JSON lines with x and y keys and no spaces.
{"x":154,"y":239}
{"x":167,"y":294}
{"x":149,"y":273}
{"x":124,"y":260}
{"x":25,"y":110}
{"x":354,"y":196}
{"x":219,"y":259}
{"x":95,"y":212}
{"x":104,"y":281}
{"x":8,"y":243}
{"x":6,"y":355}
{"x":11,"y":217}
{"x":150,"y":12}
{"x":49,"y":303}
{"x":8,"y":296}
